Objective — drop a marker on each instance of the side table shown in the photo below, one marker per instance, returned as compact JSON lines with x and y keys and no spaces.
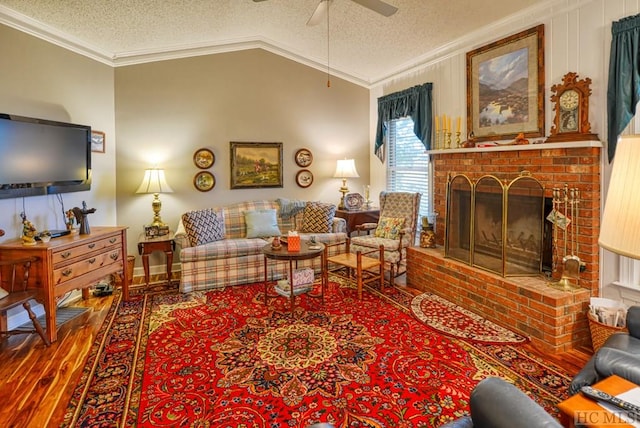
{"x":305,"y":253}
{"x":355,"y":218}
{"x":581,"y":411}
{"x":147,"y":245}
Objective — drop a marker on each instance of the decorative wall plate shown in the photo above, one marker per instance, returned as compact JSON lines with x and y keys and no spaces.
{"x":304,"y":178}
{"x":204,"y":181}
{"x":304,"y":157}
{"x":353,"y":201}
{"x":204,"y":158}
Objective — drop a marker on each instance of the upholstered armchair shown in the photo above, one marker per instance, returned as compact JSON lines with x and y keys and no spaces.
{"x":395,"y":230}
{"x":495,"y":403}
{"x":619,"y":355}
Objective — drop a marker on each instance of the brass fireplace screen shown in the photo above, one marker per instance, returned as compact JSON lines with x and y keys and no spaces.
{"x":496,"y":226}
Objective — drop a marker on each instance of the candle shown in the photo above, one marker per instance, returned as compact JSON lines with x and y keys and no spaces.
{"x":458,"y":127}
{"x":437,"y":124}
{"x":444,"y":122}
{"x":449,"y":124}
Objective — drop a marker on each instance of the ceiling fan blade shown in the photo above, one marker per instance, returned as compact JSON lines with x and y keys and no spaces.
{"x":319,"y":13}
{"x":378,"y":6}
{"x":258,"y":1}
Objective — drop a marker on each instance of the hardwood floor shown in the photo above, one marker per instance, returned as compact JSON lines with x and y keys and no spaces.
{"x":36,"y":382}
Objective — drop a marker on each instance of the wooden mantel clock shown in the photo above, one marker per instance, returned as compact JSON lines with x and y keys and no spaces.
{"x":571,"y":105}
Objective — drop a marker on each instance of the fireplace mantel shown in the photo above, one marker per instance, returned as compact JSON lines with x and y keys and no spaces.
{"x":518,"y":147}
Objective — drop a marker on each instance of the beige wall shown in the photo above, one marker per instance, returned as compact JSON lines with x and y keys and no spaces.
{"x":166,"y":110}
{"x":38,"y":79}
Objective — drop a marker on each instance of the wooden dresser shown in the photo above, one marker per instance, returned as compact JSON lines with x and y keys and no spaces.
{"x":72,"y":262}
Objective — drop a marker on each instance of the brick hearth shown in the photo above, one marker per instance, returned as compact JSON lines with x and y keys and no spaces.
{"x":555,"y":320}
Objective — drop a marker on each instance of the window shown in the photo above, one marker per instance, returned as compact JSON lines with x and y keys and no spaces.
{"x":408,"y":166}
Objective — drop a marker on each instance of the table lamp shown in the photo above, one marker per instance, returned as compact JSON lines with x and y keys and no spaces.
{"x":345,"y":168}
{"x":620,"y":228}
{"x":154,"y":182}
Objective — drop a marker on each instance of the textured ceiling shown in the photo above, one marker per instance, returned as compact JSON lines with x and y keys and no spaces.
{"x":364,"y":46}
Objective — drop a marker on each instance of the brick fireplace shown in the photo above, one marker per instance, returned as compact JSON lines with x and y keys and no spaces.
{"x":554,"y":319}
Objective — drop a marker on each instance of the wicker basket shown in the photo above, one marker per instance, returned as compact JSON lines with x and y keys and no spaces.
{"x":601,"y":332}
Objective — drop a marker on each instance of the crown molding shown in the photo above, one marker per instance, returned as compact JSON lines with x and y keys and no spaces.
{"x":49,"y":34}
{"x":521,"y":20}
{"x":254,"y":42}
{"x":540,"y":12}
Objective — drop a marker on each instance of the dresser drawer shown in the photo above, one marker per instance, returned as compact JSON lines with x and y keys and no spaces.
{"x":88,"y":264}
{"x":84,"y":248}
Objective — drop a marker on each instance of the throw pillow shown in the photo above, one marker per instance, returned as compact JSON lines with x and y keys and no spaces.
{"x":203,"y":226}
{"x":389,"y":227}
{"x":261,"y":223}
{"x":318,"y":217}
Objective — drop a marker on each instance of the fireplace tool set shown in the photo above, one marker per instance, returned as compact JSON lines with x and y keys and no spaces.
{"x":564,"y":217}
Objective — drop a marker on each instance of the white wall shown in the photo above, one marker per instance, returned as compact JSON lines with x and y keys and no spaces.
{"x":45,"y":81}
{"x":577,"y":38}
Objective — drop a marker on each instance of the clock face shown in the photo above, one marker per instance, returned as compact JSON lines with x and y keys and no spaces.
{"x":569,"y":100}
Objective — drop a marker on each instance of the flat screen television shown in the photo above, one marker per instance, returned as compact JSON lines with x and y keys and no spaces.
{"x":41,"y":157}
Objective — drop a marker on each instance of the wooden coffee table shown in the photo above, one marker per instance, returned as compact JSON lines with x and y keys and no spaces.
{"x":588,"y":413}
{"x":305,"y":253}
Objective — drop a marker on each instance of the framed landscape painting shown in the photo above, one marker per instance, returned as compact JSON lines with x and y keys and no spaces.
{"x":505,"y":87}
{"x":255,"y":165}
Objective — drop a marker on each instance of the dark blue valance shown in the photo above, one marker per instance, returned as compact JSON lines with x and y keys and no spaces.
{"x":414,"y":102}
{"x":623,"y":93}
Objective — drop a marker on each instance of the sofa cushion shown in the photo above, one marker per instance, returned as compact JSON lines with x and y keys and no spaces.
{"x":389,"y":227}
{"x":203,"y":226}
{"x":318,"y":217}
{"x":224,"y":249}
{"x":261,"y":223}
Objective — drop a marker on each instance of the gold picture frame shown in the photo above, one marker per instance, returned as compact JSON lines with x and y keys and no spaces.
{"x":256,"y":165}
{"x":505,"y":87}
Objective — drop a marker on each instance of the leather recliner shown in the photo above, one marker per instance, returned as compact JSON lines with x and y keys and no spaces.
{"x":495,"y":403}
{"x":620,"y":355}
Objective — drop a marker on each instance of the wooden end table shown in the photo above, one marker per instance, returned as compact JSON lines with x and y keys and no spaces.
{"x":354,"y":218}
{"x":581,"y":411}
{"x":305,"y":253}
{"x":147,"y":245}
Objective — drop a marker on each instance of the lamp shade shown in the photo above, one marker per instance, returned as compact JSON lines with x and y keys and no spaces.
{"x":620,"y":228}
{"x":346,"y":168}
{"x":154,"y":182}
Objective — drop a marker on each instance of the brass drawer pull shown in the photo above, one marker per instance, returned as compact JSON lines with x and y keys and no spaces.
{"x":114,"y":256}
{"x":65,"y":254}
{"x":92,"y":245}
{"x":92,"y":260}
{"x":112,"y":240}
{"x":67,"y":272}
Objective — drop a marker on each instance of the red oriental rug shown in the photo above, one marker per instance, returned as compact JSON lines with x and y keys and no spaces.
{"x":451,"y":319}
{"x":224,"y":359}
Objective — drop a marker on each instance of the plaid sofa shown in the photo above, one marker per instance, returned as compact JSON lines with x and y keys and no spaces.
{"x":239,"y":260}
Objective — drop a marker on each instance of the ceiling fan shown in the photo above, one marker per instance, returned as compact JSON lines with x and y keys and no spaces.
{"x":378,"y":6}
